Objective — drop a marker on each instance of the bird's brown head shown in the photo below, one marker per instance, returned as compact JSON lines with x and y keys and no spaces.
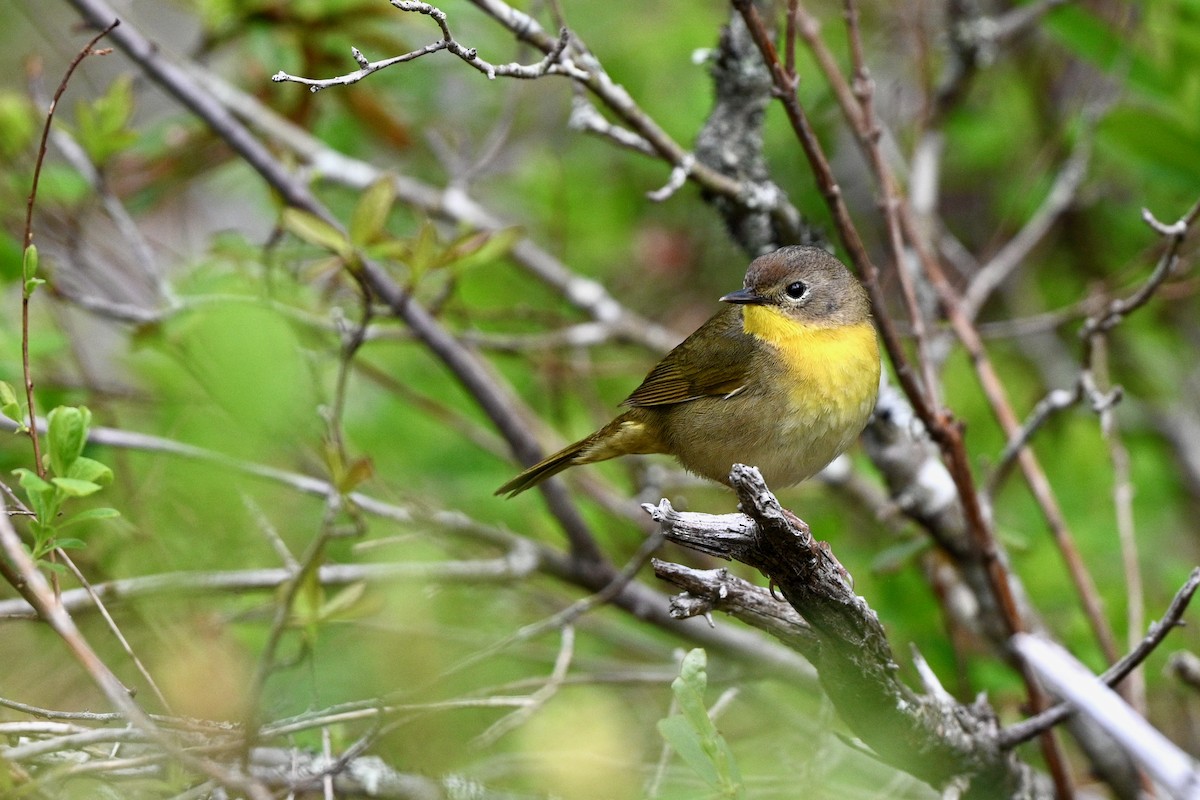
{"x":806,"y":284}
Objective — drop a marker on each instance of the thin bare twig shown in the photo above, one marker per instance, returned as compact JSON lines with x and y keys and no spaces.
{"x":537,"y":699}
{"x":116,"y":631}
{"x":554,"y":62}
{"x":513,"y":565}
{"x":616,"y":98}
{"x":1025,"y":730}
{"x":1060,"y":197}
{"x":1165,"y":762}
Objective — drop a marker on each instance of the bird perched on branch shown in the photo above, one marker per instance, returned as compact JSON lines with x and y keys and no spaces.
{"x":784,"y":378}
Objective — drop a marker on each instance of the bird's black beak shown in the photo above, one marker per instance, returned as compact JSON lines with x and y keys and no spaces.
{"x":744,"y":297}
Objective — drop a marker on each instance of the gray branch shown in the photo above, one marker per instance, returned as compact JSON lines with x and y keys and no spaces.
{"x":930,"y":736}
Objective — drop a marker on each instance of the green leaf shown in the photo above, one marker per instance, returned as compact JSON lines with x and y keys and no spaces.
{"x":424,"y":254}
{"x":694,"y":736}
{"x":90,"y":515}
{"x":689,"y":689}
{"x":69,"y":544}
{"x":684,"y":740}
{"x":317,"y":232}
{"x":29,"y":263}
{"x":370,"y":214}
{"x":30,"y":482}
{"x":482,"y":247}
{"x":103,"y":124}
{"x":89,"y":469}
{"x":9,"y":405}
{"x":29,"y":268}
{"x":73,"y":487}
{"x":67,"y":435}
{"x":39,"y":492}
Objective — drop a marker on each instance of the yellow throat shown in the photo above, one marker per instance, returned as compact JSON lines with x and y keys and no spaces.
{"x":829,"y":370}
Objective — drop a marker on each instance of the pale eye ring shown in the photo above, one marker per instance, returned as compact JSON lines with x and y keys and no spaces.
{"x":796,"y":289}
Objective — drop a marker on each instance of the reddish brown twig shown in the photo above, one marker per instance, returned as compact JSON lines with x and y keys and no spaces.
{"x":28,"y":237}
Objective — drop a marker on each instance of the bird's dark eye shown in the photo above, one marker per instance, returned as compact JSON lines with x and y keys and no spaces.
{"x":796,"y":290}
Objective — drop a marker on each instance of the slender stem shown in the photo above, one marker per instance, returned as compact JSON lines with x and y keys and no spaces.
{"x":26,"y":291}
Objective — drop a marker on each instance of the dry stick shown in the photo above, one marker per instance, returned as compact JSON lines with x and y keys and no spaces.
{"x":551,"y":64}
{"x":116,"y":630}
{"x":1062,"y":194}
{"x":1134,"y":690}
{"x":1163,"y":763}
{"x":944,"y":430}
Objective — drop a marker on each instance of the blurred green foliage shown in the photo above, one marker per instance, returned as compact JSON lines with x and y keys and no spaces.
{"x":244,"y":361}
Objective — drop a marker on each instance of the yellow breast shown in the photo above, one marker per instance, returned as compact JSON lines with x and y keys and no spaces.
{"x":830,"y":374}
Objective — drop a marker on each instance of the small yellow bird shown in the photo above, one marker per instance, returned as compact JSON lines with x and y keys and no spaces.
{"x":784,"y":379}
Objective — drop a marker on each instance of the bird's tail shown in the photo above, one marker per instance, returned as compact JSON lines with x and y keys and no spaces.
{"x":569,"y":456}
{"x":626,"y":434}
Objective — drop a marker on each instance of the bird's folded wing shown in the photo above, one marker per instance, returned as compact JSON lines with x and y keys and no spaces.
{"x":712,"y":362}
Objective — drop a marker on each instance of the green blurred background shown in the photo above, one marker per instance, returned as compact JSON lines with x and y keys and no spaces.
{"x":247,"y":365}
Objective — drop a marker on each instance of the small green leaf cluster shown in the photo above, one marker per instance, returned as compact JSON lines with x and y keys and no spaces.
{"x":71,"y":475}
